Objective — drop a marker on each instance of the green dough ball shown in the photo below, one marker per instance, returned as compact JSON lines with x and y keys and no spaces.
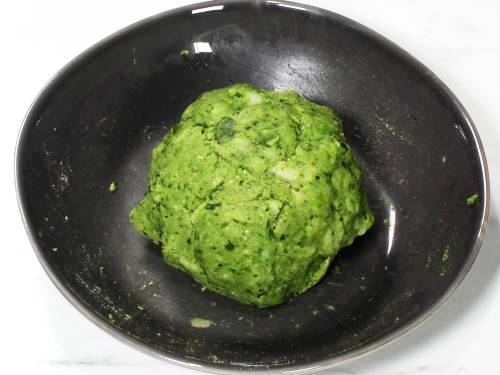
{"x":253,"y":193}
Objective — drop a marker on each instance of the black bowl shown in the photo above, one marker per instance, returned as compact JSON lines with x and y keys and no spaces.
{"x":99,"y":118}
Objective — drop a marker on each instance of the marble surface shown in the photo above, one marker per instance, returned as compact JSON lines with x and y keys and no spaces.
{"x":42,"y":333}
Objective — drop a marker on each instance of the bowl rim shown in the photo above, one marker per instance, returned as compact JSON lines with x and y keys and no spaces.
{"x":336,"y":360}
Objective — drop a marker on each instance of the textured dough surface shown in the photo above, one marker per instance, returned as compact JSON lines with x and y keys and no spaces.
{"x":253,"y":193}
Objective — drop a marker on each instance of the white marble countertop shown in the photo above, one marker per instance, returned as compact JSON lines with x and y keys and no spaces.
{"x":41,"y":333}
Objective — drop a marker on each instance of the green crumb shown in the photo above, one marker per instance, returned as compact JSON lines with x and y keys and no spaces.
{"x":386,"y":268}
{"x":446,"y":253}
{"x":128,"y":317}
{"x":429,"y":260}
{"x":113,"y":187}
{"x":337,"y":270}
{"x":54,"y":249}
{"x":253,"y":193}
{"x":111,"y":319}
{"x":297,"y":325}
{"x":315,"y":312}
{"x":201,"y":323}
{"x":214,"y":359}
{"x":156,"y":295}
{"x":330,"y":307}
{"x":140,"y":307}
{"x":472,"y":200}
{"x":386,"y":222}
{"x":184,"y":52}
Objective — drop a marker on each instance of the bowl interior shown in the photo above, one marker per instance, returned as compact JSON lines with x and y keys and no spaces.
{"x":98,"y":121}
